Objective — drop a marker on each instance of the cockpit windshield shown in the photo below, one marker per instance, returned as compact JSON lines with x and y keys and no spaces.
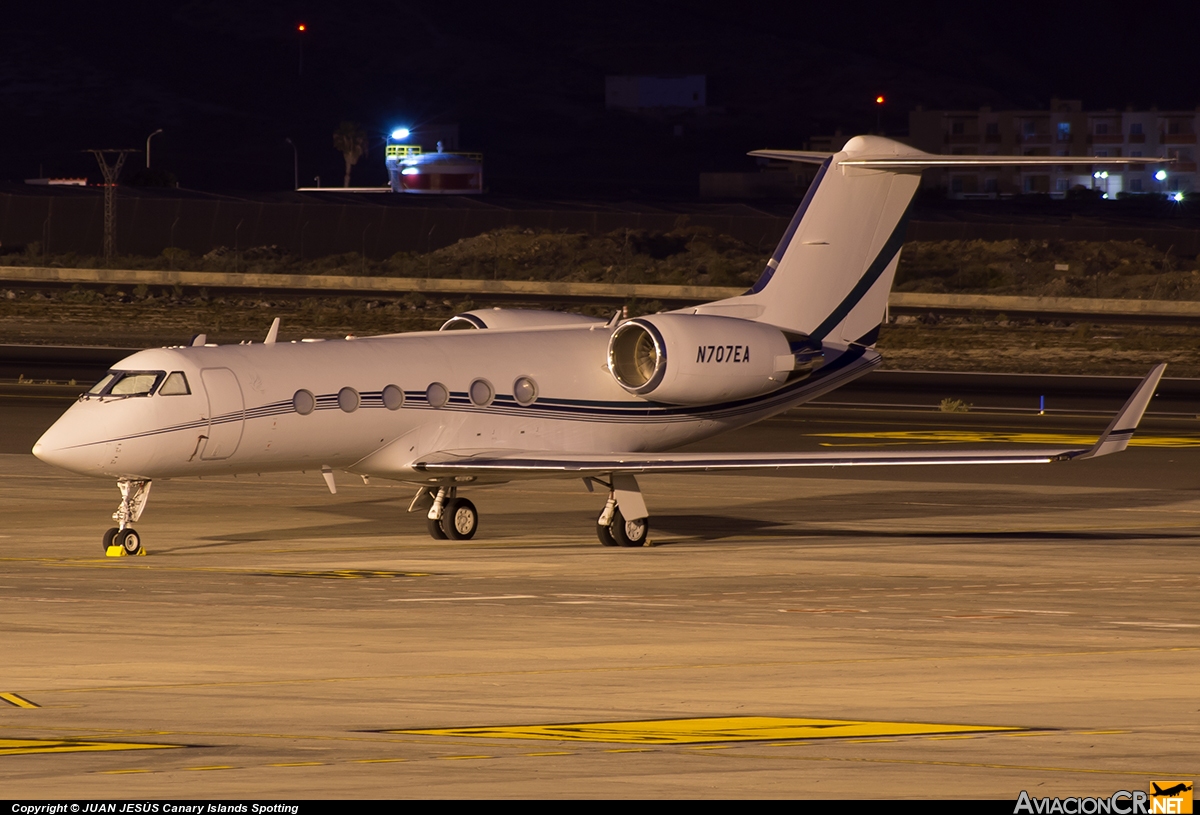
{"x":102,"y":385}
{"x":127,"y":383}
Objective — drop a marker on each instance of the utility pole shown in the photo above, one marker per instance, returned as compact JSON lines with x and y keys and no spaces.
{"x":110,"y":194}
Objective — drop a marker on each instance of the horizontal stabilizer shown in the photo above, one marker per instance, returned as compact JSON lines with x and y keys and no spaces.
{"x":920,"y":161}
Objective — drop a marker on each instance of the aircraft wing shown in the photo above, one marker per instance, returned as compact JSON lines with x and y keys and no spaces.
{"x":547,"y":463}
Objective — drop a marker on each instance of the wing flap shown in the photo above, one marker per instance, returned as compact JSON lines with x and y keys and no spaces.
{"x":530,"y":463}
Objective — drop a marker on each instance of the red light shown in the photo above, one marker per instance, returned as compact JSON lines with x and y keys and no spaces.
{"x":879,"y":100}
{"x":302,"y":27}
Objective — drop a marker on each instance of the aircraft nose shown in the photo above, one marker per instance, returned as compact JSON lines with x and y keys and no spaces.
{"x":58,"y":447}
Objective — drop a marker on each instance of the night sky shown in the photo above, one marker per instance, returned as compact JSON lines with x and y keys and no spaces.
{"x":525,"y":81}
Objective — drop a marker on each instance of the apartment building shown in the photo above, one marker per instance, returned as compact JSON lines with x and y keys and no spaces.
{"x":1063,"y":129}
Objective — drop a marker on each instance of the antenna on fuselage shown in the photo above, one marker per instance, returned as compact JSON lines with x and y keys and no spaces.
{"x":272,"y":333}
{"x":199,"y":340}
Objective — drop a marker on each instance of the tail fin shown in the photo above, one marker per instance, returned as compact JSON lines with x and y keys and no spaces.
{"x":833,"y":269}
{"x":832,"y":272}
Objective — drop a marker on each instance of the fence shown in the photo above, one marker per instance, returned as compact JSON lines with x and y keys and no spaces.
{"x":148,"y":224}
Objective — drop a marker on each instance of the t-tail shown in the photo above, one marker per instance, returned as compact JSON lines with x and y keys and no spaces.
{"x":832,"y":272}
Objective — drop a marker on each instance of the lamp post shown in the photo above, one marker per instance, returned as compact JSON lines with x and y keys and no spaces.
{"x":295,"y":165}
{"x":148,"y":138}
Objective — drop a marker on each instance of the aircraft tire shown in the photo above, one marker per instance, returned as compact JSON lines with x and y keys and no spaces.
{"x":108,"y":537}
{"x":629,"y":533}
{"x":460,"y":520}
{"x":129,"y":540}
{"x":605,"y":536}
{"x":435,"y":528}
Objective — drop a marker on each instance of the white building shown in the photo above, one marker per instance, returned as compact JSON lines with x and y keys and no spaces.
{"x":1064,"y":129}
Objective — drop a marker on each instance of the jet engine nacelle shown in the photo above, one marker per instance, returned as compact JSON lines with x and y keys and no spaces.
{"x":694,"y":359}
{"x":499,"y":318}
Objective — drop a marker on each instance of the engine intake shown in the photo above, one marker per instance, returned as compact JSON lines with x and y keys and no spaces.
{"x":693,"y":359}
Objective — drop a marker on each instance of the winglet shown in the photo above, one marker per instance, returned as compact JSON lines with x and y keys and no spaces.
{"x":1120,"y":430}
{"x":273,"y":333}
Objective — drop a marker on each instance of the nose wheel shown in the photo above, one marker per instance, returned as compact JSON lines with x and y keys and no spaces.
{"x":123,"y":540}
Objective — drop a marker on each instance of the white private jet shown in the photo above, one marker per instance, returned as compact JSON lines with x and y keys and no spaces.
{"x":536,"y":394}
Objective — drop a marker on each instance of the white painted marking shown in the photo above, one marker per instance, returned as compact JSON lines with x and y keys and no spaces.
{"x":452,"y":599}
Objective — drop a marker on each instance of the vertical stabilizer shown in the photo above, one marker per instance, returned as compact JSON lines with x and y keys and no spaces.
{"x":832,"y":272}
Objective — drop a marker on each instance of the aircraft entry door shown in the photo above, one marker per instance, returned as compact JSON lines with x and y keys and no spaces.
{"x":226,"y":413}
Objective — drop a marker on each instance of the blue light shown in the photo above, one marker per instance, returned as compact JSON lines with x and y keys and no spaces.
{"x":400,"y":133}
{"x":1161,"y":175}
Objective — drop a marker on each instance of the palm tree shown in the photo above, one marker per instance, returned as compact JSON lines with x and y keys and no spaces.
{"x":351,"y":141}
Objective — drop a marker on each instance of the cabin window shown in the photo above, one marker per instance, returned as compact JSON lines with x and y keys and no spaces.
{"x":303,"y":402}
{"x":348,"y":400}
{"x":393,"y":397}
{"x":176,"y":384}
{"x":481,"y":392}
{"x":525,"y":390}
{"x":437,"y":395}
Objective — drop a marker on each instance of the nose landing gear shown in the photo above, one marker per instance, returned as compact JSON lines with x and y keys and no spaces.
{"x":123,"y":540}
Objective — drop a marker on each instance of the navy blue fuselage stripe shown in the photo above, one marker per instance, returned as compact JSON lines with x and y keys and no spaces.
{"x":842,"y":367}
{"x":891,"y":248}
{"x":786,"y":240}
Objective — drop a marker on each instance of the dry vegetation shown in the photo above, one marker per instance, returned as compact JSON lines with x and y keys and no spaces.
{"x":148,"y":316}
{"x":1116,"y":269}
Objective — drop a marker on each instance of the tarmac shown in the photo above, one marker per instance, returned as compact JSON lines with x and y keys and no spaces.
{"x":906,"y":632}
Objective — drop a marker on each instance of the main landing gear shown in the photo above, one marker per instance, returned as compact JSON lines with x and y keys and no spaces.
{"x":449,"y":516}
{"x":123,"y":540}
{"x":613,"y":528}
{"x":623,"y":522}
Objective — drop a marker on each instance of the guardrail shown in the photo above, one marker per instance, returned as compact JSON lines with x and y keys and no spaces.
{"x":384,"y":286}
{"x":1075,"y":308}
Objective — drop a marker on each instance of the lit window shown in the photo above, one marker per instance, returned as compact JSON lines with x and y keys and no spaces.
{"x":1064,"y":131}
